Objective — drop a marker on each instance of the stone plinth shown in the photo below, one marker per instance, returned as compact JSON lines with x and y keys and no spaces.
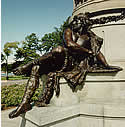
{"x":93,"y":6}
{"x":101,"y":103}
{"x":87,"y":115}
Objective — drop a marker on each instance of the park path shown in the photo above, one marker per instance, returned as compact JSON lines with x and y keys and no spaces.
{"x":6,"y":122}
{"x":12,"y":82}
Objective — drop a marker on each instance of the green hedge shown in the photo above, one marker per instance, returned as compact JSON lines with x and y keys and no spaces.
{"x":12,"y":95}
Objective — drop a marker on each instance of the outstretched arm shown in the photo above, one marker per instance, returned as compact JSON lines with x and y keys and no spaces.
{"x":72,"y":45}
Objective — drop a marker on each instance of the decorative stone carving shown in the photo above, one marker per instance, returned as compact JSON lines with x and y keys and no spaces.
{"x":77,"y":2}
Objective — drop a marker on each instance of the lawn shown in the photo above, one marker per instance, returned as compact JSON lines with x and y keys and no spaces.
{"x":15,"y":78}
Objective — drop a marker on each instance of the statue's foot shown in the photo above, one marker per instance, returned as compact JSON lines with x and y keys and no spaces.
{"x":18,"y":71}
{"x":23,"y":69}
{"x":40,"y":104}
{"x":114,"y":68}
{"x":23,"y":108}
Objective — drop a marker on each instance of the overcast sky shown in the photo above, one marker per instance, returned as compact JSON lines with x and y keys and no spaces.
{"x":23,"y":17}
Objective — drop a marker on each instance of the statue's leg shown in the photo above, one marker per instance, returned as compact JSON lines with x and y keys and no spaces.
{"x":31,"y":86}
{"x":58,"y":57}
{"x":52,"y":60}
{"x":25,"y":69}
{"x":103,"y":61}
{"x":47,"y":93}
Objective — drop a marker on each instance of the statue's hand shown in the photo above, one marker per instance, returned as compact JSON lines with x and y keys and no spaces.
{"x":16,"y":71}
{"x":90,"y":52}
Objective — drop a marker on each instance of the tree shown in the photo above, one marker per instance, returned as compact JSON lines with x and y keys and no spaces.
{"x":30,"y":49}
{"x":2,"y":57}
{"x":7,"y":51}
{"x":55,"y":38}
{"x":33,"y":48}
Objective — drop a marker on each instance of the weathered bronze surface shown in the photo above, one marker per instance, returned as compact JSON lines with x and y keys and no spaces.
{"x":80,"y":55}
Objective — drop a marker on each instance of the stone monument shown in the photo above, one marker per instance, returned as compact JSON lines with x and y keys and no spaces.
{"x":98,"y":101}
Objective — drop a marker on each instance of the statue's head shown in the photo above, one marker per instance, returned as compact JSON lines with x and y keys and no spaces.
{"x":76,"y":24}
{"x":80,"y":21}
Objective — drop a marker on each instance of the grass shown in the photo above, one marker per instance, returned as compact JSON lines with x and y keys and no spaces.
{"x":14,"y":78}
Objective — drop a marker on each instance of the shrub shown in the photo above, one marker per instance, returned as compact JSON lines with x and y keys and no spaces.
{"x":12,"y":95}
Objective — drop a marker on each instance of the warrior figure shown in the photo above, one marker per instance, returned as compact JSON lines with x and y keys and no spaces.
{"x":81,"y":54}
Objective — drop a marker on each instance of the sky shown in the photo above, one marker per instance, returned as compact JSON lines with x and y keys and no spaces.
{"x":20,"y":18}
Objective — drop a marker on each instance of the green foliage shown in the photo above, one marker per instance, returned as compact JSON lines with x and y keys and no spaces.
{"x":8,"y":49}
{"x":55,"y":38}
{"x":33,"y":47}
{"x":3,"y":67}
{"x":30,"y":49}
{"x":2,"y":57}
{"x":9,"y":46}
{"x":12,"y":95}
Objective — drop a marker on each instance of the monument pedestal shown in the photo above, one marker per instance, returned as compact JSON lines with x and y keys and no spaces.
{"x":101,"y":103}
{"x":87,"y":115}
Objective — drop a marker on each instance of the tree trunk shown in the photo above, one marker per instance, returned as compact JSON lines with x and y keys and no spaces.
{"x":7,"y":78}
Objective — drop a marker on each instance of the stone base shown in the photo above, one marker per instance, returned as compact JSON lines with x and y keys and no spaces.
{"x":87,"y":115}
{"x":101,"y":103}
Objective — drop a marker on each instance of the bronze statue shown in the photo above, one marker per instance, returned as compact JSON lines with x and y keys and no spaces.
{"x":81,"y":54}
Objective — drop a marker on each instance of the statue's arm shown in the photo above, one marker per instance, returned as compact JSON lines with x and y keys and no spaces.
{"x":71,"y":44}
